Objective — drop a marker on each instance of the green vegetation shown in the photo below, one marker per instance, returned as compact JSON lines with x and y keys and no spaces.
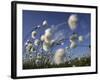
{"x":45,"y":63}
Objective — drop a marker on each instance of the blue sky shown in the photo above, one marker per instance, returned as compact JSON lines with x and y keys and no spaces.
{"x":33,"y":18}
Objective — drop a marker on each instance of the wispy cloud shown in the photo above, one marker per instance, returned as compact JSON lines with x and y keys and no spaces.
{"x":59,"y":35}
{"x":87,"y":35}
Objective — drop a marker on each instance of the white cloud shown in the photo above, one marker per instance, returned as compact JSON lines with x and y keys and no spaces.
{"x":59,"y":35}
{"x":87,"y":35}
{"x":67,"y":49}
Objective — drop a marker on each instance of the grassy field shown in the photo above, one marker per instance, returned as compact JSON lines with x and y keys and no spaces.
{"x":83,"y":61}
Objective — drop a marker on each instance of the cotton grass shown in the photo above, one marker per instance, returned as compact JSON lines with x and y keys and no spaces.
{"x":59,"y":56}
{"x":72,"y":21}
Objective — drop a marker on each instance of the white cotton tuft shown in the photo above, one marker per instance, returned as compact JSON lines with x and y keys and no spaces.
{"x":59,"y":56}
{"x":38,"y":62}
{"x":33,"y":34}
{"x":48,"y":32}
{"x":73,"y":37}
{"x":42,"y":37}
{"x":52,"y":41}
{"x":46,"y":46}
{"x":30,"y":48}
{"x":73,"y":45}
{"x":72,"y":21}
{"x":48,"y":35}
{"x":44,"y":23}
{"x":36,"y":42}
{"x":80,"y":38}
{"x":47,"y":38}
{"x":38,"y":26}
{"x":26,"y":43}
